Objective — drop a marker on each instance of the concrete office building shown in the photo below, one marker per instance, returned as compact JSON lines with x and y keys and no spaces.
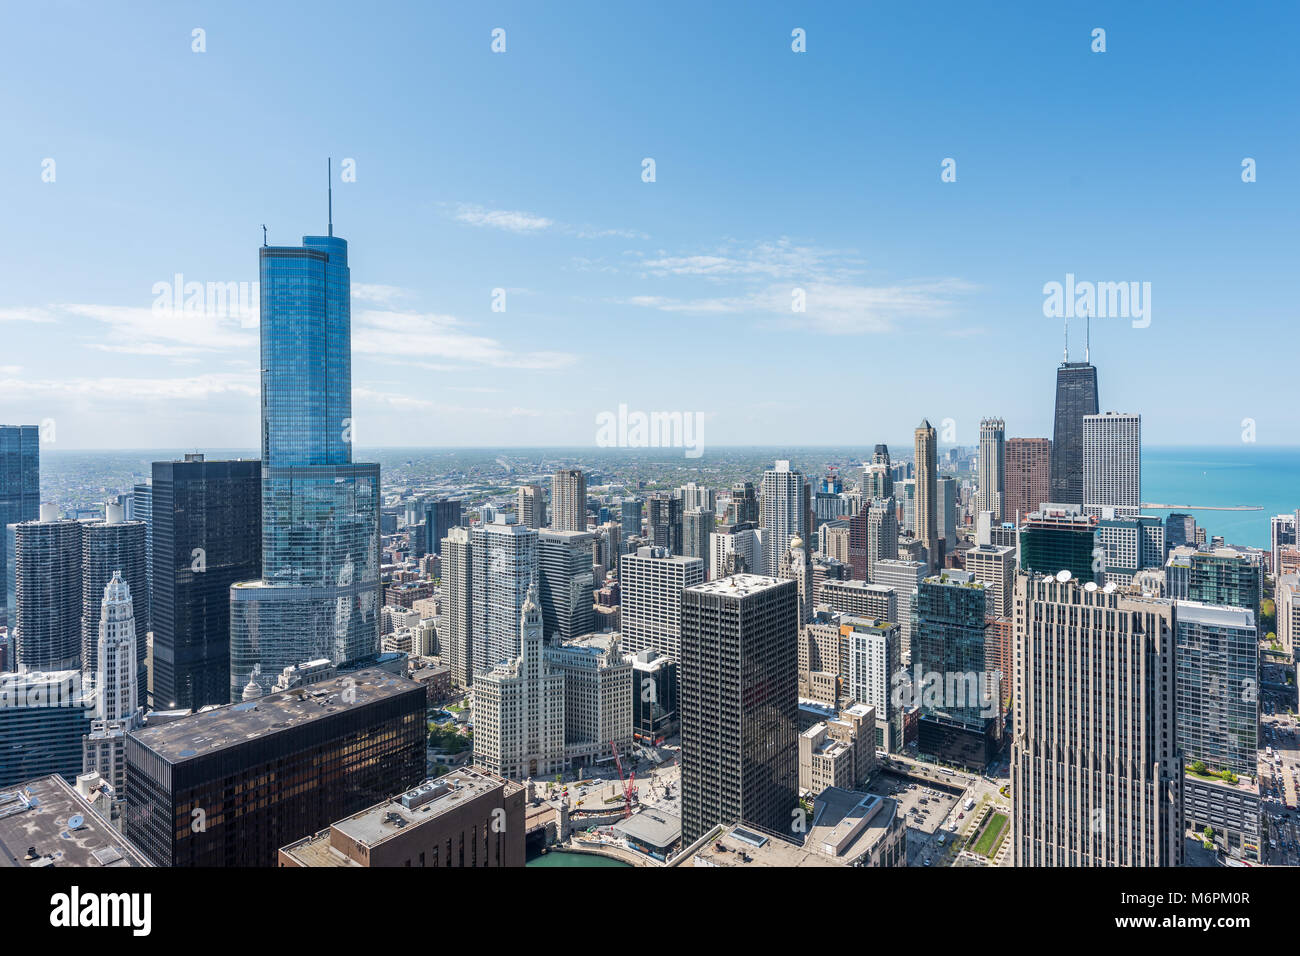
{"x":569,"y":500}
{"x":995,"y":568}
{"x":736,"y":549}
{"x":665,"y":523}
{"x":456,"y":620}
{"x":1112,"y":464}
{"x":927,"y":494}
{"x":874,"y":661}
{"x":1103,"y":788}
{"x":466,"y":818}
{"x":839,"y":752}
{"x":598,"y":688}
{"x":651,"y":582}
{"x":903,"y":577}
{"x":739,"y":704}
{"x":993,"y":468}
{"x":1028,"y":479}
{"x":118,"y":709}
{"x":697,"y":533}
{"x":1132,"y":545}
{"x":519,"y":707}
{"x":531,"y":507}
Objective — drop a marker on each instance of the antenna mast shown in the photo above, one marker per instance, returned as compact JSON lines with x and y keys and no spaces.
{"x":1087,"y":341}
{"x":329,"y":181}
{"x":1067,"y":340}
{"x":263,"y":233}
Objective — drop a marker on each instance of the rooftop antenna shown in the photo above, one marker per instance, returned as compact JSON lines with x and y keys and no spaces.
{"x":1087,"y":340}
{"x":1067,"y":340}
{"x":329,"y":179}
{"x":263,"y":233}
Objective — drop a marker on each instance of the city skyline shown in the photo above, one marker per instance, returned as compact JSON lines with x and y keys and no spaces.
{"x":585,"y":254}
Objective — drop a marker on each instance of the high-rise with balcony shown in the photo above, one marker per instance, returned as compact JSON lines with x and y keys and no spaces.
{"x":319,"y":594}
{"x":569,"y":500}
{"x":47,"y":573}
{"x":1218,"y":686}
{"x":993,"y":468}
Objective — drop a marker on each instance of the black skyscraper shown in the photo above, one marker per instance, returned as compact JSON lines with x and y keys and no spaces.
{"x":440,"y":516}
{"x":1076,"y":396}
{"x":207,"y":535}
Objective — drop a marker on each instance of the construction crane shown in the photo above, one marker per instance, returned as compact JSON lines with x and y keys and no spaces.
{"x":629,"y":785}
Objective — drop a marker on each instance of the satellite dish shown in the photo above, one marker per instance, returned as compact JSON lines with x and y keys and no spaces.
{"x":75,"y":821}
{"x":1110,"y":587}
{"x":1090,"y":586}
{"x":1063,"y":575}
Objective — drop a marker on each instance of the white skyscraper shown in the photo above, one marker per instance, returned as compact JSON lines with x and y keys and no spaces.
{"x":117,"y":704}
{"x":735,"y":552}
{"x":504,"y":561}
{"x":784,"y":515}
{"x":652,"y":581}
{"x":1112,"y":464}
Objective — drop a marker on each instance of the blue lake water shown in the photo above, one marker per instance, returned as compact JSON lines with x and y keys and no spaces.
{"x":1243,"y":474}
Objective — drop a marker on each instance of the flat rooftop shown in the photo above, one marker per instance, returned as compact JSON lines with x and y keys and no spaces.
{"x":737,"y":584}
{"x":41,"y":813}
{"x":375,"y":825}
{"x":653,"y":827}
{"x":1215,"y":614}
{"x":232,"y":724}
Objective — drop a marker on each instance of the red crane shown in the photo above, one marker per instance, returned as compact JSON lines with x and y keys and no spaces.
{"x":629,"y":787}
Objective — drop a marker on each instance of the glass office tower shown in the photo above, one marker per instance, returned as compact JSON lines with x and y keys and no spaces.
{"x":319,"y":594}
{"x":20,"y":498}
{"x":1076,"y":396}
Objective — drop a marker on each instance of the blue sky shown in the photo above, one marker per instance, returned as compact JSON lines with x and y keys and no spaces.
{"x":774,"y":171}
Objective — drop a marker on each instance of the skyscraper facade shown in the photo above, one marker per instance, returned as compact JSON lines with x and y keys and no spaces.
{"x":20,"y":494}
{"x":927,"y":492}
{"x":738,"y":685}
{"x":1028,"y":482}
{"x":110,"y":547}
{"x":569,"y":500}
{"x":505,"y":565}
{"x":665,"y":523}
{"x":1076,"y":396}
{"x":784,"y":512}
{"x":652,"y":581}
{"x":440,"y":516}
{"x":697,"y":529}
{"x":1096,"y":773}
{"x":207,"y":520}
{"x":47,"y":572}
{"x":1218,"y":686}
{"x":744,"y":504}
{"x":993,"y":468}
{"x":566,"y":583}
{"x":531,"y":506}
{"x":456,"y":614}
{"x":1112,"y":464}
{"x":630,"y":517}
{"x":319,"y":594}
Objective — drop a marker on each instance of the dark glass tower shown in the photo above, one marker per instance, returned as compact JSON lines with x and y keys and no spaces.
{"x":440,"y":516}
{"x":207,"y":536}
{"x":738,"y":686}
{"x":1076,"y":396}
{"x":319,"y":594}
{"x":20,"y":498}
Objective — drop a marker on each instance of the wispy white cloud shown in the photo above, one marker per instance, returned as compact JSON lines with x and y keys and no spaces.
{"x":26,"y":314}
{"x":416,"y":337}
{"x":149,"y":331}
{"x":385,"y":295}
{"x":509,"y":220}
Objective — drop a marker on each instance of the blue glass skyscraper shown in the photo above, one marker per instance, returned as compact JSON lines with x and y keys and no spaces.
{"x":319,"y":594}
{"x":20,"y":498}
